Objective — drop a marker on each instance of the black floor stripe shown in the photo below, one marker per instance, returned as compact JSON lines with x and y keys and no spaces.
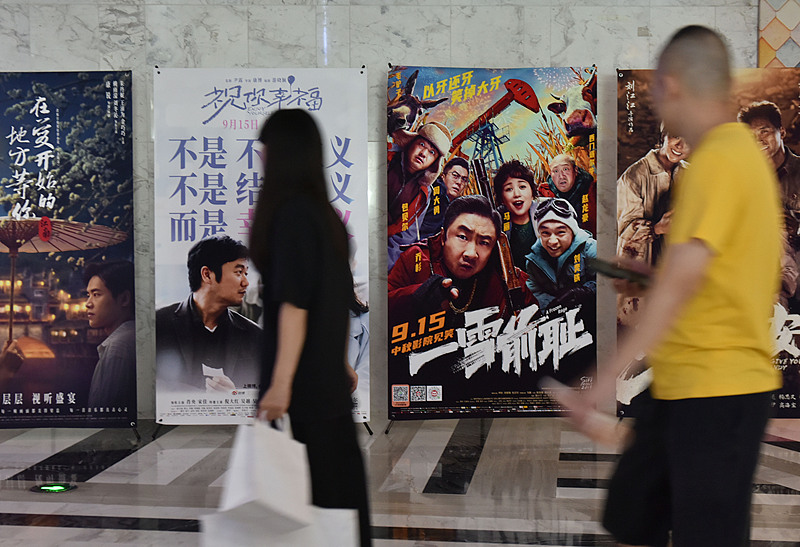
{"x":774,"y":489}
{"x":456,"y":466}
{"x":582,"y":483}
{"x":490,"y":536}
{"x":586,"y":457}
{"x":94,"y":454}
{"x":378,"y":532}
{"x":589,"y":457}
{"x":760,"y":488}
{"x":105,"y":523}
{"x":789,"y":445}
{"x":451,"y":535}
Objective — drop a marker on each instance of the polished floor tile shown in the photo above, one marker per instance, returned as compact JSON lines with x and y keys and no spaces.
{"x":481,"y":482}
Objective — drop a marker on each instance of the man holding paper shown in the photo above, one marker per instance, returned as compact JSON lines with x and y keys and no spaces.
{"x":201,"y":344}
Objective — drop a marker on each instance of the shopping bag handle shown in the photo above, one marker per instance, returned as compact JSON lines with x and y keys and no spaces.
{"x":281,"y":424}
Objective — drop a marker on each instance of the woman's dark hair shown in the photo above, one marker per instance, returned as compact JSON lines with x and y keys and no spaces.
{"x":292,"y":167}
{"x":357,"y":306}
{"x":512,"y":169}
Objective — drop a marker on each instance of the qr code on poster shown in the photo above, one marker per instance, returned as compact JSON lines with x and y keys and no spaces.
{"x":400,"y":395}
{"x":418,"y":394}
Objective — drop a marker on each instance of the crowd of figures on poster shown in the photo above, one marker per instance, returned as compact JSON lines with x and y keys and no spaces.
{"x":491,"y":215}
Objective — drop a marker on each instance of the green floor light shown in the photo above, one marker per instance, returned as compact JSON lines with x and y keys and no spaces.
{"x":54,"y":487}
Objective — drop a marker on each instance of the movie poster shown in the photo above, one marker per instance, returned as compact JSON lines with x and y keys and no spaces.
{"x":491,"y":204}
{"x":649,"y":161}
{"x":67,"y":293}
{"x":208,"y":174}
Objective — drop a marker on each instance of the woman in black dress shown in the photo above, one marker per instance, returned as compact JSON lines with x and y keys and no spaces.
{"x":300,"y":247}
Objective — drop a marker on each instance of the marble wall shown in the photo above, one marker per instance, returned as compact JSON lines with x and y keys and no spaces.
{"x":138,"y":34}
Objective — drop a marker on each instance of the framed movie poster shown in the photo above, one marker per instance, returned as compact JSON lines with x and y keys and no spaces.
{"x":491,"y":204}
{"x":650,"y":162}
{"x":67,"y":291}
{"x":208,"y":176}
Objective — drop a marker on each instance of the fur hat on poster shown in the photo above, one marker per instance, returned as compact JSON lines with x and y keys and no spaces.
{"x":438,"y":135}
{"x":440,"y":138}
{"x":434,"y":132}
{"x":557,"y":209}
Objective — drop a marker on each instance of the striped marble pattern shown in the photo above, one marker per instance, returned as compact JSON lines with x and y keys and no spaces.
{"x":476,"y":482}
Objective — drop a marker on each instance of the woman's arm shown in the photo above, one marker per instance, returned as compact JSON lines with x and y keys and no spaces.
{"x":292,"y":323}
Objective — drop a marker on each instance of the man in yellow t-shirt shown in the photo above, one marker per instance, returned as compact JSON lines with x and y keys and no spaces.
{"x":705,"y":329}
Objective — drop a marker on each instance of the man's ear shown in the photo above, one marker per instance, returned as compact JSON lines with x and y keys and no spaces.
{"x":124,"y":299}
{"x":783,"y":133}
{"x":206,"y":275}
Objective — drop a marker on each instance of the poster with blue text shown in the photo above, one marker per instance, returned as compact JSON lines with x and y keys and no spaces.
{"x":650,"y":163}
{"x":67,"y":295}
{"x":491,"y":216}
{"x":207,"y":178}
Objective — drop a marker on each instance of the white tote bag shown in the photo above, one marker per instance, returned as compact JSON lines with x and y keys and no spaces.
{"x":331,"y":528}
{"x":266,"y":498}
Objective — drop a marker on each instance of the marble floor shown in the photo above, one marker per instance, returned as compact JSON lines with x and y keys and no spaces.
{"x":480,"y":482}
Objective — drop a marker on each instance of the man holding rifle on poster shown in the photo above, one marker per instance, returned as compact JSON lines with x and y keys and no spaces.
{"x":705,"y":329}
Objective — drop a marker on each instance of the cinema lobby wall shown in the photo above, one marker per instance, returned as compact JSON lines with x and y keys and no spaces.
{"x":140,"y":34}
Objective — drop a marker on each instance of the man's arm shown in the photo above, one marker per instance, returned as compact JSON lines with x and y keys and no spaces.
{"x":292,"y":324}
{"x":682,"y":271}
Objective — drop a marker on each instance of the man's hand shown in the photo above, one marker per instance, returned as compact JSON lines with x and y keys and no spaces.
{"x":662,"y":226}
{"x":601,"y":428}
{"x":447,"y":283}
{"x":275,"y":402}
{"x":219,"y":383}
{"x":576,"y":294}
{"x":433,"y":292}
{"x":631,"y":288}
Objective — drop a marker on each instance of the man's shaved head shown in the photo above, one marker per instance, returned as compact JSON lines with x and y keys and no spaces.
{"x":698,"y":57}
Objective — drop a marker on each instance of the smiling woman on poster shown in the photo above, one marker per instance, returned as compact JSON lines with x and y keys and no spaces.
{"x":300,"y":246}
